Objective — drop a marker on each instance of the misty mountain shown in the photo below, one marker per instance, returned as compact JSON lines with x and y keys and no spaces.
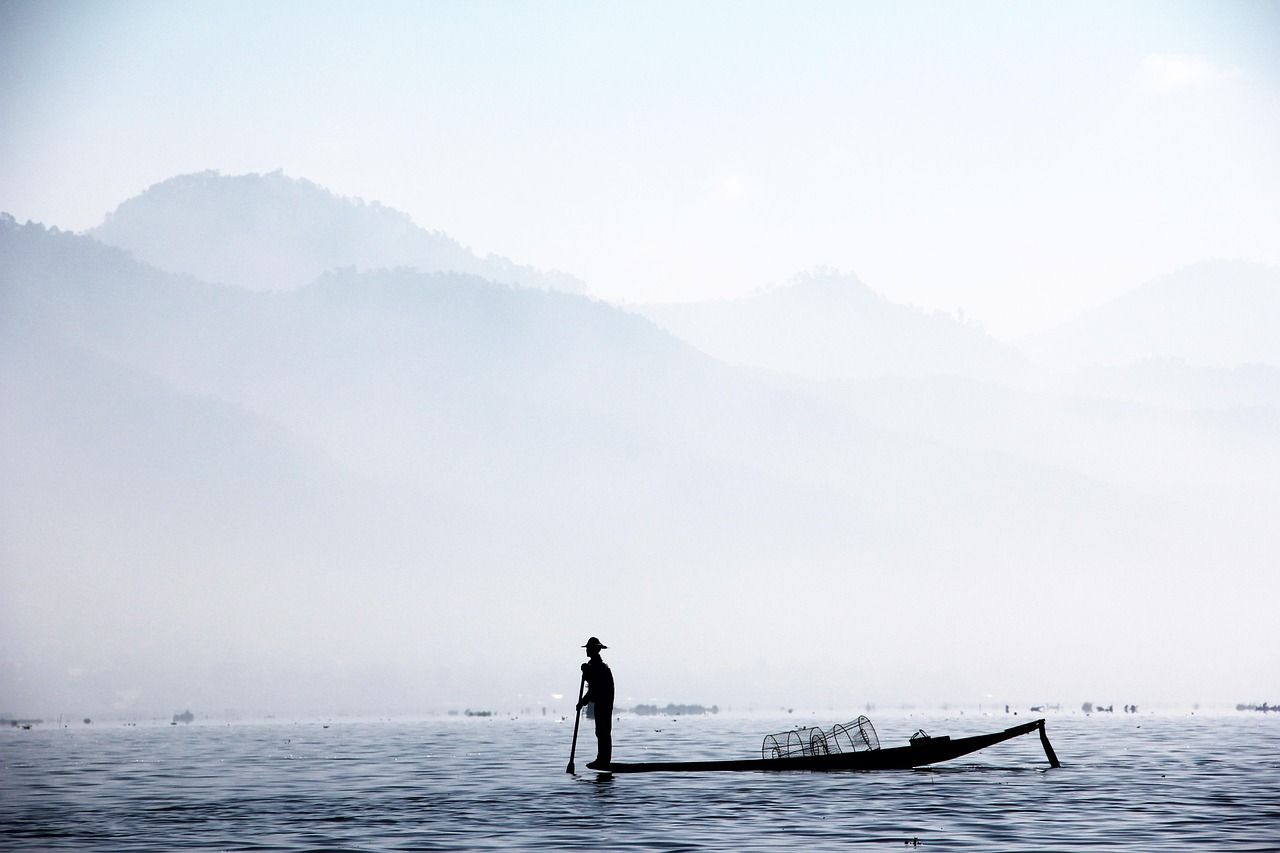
{"x":271,"y":232}
{"x":342,"y":493}
{"x":379,"y":472}
{"x":463,"y":387}
{"x":826,"y":325}
{"x":1209,"y":314}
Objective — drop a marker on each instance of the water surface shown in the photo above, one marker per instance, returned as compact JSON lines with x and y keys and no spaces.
{"x":1145,"y":782}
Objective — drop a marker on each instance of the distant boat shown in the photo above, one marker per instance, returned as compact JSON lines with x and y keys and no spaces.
{"x":853,"y":746}
{"x":26,"y":724}
{"x":184,"y":717}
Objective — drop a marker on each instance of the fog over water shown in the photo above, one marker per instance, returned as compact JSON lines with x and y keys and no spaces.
{"x":272,"y":448}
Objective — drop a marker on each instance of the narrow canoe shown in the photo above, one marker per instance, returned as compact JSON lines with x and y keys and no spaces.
{"x":918,"y":754}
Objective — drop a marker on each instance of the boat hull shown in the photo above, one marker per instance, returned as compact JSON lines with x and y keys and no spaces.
{"x":918,"y":754}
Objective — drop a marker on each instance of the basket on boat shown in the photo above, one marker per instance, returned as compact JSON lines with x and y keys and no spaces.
{"x":856,"y":736}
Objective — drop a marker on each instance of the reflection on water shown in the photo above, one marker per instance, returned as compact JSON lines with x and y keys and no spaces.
{"x":1150,"y":782}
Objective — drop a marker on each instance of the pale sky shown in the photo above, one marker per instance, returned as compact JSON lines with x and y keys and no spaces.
{"x":1020,"y":161}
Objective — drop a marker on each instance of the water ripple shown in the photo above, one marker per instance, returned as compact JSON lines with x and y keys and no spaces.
{"x":1154,"y":783}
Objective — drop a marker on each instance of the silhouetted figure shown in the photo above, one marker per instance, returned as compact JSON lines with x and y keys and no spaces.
{"x":599,"y":691}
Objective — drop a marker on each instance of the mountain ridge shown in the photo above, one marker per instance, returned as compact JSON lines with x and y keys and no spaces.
{"x":273,"y":232}
{"x":828,"y":325}
{"x":433,"y":459}
{"x":1212,"y":313}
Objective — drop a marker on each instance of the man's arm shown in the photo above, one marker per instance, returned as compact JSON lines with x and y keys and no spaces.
{"x":587,"y":698}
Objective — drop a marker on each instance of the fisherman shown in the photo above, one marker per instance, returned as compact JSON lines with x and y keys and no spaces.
{"x":597,"y":674}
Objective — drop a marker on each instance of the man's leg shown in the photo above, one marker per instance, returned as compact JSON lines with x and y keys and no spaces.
{"x":604,"y":735}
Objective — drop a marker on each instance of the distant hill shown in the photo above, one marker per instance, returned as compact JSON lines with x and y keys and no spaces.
{"x":392,"y":468}
{"x":826,"y":325}
{"x":1209,"y":314}
{"x":441,"y":381}
{"x":362,"y":491}
{"x":273,"y":232}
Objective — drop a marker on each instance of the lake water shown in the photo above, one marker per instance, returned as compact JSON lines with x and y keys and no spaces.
{"x":1128,"y":782}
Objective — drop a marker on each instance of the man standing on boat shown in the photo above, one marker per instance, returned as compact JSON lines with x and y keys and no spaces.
{"x":600,"y":691}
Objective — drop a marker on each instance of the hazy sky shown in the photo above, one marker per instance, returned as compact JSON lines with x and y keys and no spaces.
{"x":1019,"y":161}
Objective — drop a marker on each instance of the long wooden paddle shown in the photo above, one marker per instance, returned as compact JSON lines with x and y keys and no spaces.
{"x":1048,"y":748}
{"x":577,"y":718}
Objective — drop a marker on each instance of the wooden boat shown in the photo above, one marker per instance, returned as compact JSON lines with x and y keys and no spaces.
{"x":921,"y":751}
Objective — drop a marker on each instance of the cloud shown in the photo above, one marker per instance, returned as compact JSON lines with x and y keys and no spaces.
{"x":1163,"y":73}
